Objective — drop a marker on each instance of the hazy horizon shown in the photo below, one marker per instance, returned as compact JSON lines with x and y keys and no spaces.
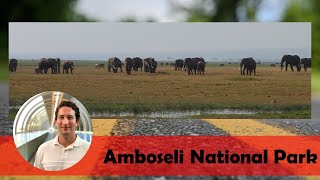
{"x":271,"y":55}
{"x":163,"y":41}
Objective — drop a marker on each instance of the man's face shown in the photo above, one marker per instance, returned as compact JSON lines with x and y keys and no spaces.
{"x":66,"y":121}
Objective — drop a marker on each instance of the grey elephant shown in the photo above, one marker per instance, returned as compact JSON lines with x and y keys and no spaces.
{"x":191,"y":65}
{"x":146,"y":64}
{"x":150,"y":65}
{"x":249,"y":65}
{"x":306,"y":62}
{"x":53,"y":65}
{"x":137,"y":63}
{"x":13,"y":64}
{"x":201,"y":67}
{"x":292,"y":60}
{"x":128,"y":65}
{"x":178,"y":65}
{"x":58,"y":65}
{"x":68,"y":65}
{"x":188,"y":65}
{"x":114,"y":63}
{"x":153,"y":65}
{"x":43,"y":66}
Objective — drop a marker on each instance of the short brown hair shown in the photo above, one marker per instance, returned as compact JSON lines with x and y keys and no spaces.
{"x":70,"y":104}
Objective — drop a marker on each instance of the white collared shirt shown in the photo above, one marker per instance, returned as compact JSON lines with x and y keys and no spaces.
{"x":52,"y":156}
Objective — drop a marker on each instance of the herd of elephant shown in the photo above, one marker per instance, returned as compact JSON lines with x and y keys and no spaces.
{"x":44,"y":65}
{"x":294,"y":60}
{"x":133,"y":64}
{"x":249,"y":64}
{"x":193,"y":66}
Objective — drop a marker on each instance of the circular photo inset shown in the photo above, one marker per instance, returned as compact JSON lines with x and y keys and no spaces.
{"x":52,"y":131}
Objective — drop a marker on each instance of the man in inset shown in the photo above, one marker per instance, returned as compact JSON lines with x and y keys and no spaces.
{"x":66,"y":149}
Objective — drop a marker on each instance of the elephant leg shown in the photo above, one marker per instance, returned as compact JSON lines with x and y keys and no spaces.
{"x":291,"y":66}
{"x":286,"y":67}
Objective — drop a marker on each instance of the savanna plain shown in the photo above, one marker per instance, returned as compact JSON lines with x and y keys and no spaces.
{"x":271,"y":93}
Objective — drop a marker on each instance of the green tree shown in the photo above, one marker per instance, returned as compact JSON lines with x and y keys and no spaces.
{"x":218,"y":10}
{"x":33,"y":11}
{"x":306,"y":11}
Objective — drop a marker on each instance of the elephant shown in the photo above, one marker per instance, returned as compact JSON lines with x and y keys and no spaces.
{"x":178,"y":65}
{"x":13,"y":63}
{"x":191,"y":64}
{"x":292,"y":60}
{"x":66,"y":66}
{"x":43,"y":66}
{"x":248,"y":64}
{"x":150,"y":65}
{"x":200,"y":67}
{"x":187,"y":65}
{"x":114,"y":63}
{"x":306,"y":63}
{"x":129,"y":65}
{"x":273,"y":65}
{"x":58,"y":65}
{"x":153,"y":66}
{"x":137,"y":63}
{"x":146,"y":64}
{"x":52,"y":63}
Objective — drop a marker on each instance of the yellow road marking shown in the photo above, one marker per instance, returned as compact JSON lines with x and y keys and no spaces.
{"x":247,"y":127}
{"x":103,"y":127}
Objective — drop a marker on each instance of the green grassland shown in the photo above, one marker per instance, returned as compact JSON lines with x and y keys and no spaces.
{"x":3,"y":71}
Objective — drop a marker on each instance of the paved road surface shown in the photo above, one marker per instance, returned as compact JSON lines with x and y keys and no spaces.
{"x":5,"y":125}
{"x":316,"y":107}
